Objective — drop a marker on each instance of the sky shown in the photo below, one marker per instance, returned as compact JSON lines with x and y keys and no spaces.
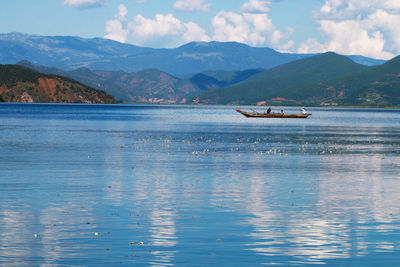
{"x":351,"y":27}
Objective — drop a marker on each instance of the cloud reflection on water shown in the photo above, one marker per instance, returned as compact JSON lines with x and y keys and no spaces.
{"x":205,"y":189}
{"x":353,"y":193}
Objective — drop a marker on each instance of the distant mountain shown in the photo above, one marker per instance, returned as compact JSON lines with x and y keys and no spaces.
{"x":68,"y":53}
{"x":366,"y":60}
{"x":269,"y":85}
{"x":21,"y":84}
{"x":148,"y":86}
{"x":216,"y":79}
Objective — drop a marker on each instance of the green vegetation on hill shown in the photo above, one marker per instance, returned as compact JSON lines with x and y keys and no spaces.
{"x":10,"y":75}
{"x":262,"y":86}
{"x":377,"y":86}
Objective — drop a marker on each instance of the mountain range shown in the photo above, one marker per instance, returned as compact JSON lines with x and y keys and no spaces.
{"x":325,"y":79}
{"x":69,"y":53}
{"x":322,"y":79}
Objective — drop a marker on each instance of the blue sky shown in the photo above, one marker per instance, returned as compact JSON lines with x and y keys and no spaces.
{"x":364,"y":27}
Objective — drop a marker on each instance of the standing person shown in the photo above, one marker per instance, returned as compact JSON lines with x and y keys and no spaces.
{"x":282,"y":111}
{"x":269,"y":110}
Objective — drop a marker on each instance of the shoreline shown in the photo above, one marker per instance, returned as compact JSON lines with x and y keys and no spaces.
{"x":202,"y":105}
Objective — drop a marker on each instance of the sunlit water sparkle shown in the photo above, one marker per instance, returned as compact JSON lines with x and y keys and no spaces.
{"x":197,"y":185}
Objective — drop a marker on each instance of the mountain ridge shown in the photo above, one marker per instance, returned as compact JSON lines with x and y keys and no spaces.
{"x":69,"y":52}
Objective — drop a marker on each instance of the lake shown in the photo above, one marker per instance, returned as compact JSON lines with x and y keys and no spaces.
{"x":123,"y":185}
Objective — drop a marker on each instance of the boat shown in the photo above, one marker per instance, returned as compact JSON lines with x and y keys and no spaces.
{"x":273,"y":115}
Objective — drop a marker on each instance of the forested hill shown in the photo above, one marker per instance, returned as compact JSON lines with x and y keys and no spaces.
{"x":268,"y":85}
{"x":377,"y":86}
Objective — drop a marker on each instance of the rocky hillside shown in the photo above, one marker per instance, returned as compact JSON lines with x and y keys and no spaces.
{"x":21,"y":84}
{"x":147,"y":86}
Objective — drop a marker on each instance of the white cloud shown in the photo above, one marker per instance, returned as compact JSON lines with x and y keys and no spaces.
{"x":369,"y":28}
{"x":83,"y":3}
{"x":348,"y":37}
{"x":162,"y":25}
{"x":351,"y":9}
{"x":192,"y":5}
{"x":256,"y":6}
{"x":229,"y":26}
{"x":392,"y":5}
{"x":145,"y":30}
{"x":389,"y":25}
{"x":252,"y":29}
{"x":194,"y":32}
{"x":115,"y":31}
{"x":114,"y":27}
{"x":163,"y":28}
{"x":347,"y":9}
{"x":260,"y":24}
{"x":123,"y":11}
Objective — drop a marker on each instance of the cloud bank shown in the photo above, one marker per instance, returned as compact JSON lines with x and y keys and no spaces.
{"x":352,"y":27}
{"x":357,"y":27}
{"x":250,"y":26}
{"x":163,"y":28}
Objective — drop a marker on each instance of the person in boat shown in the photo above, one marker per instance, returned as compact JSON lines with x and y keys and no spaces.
{"x":282,"y":112}
{"x":303,"y":111}
{"x":269,"y":110}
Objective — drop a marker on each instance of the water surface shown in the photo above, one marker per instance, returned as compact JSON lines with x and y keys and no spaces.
{"x":119,"y":185}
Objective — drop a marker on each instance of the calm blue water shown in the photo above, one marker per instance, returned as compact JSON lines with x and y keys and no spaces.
{"x":119,"y":185}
